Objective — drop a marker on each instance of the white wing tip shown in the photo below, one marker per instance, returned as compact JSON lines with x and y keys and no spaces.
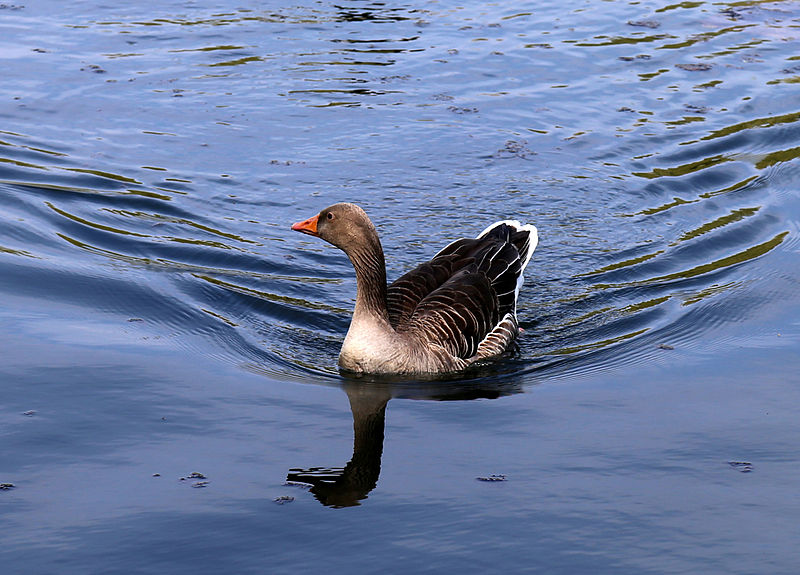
{"x":513,"y":223}
{"x":533,"y":241}
{"x":530,"y":228}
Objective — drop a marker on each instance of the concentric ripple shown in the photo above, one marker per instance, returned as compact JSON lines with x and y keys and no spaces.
{"x":150,"y":168}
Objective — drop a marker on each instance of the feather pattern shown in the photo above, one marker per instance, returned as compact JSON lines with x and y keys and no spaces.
{"x":449,"y":312}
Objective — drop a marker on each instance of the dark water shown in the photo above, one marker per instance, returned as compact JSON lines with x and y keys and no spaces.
{"x":158,"y":316}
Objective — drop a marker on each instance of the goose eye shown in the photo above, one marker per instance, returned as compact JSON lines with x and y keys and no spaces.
{"x":329,"y":216}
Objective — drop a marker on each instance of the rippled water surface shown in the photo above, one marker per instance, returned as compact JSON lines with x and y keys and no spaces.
{"x":159,"y":319}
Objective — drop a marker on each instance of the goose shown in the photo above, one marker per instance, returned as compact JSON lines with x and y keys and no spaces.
{"x":455,"y":310}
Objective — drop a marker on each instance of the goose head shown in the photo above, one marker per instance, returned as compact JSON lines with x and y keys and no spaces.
{"x":346,"y":226}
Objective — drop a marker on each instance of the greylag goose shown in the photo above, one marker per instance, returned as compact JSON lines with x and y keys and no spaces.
{"x":446,"y":314}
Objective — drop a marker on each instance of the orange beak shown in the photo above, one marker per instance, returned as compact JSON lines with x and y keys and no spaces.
{"x":307,"y":227}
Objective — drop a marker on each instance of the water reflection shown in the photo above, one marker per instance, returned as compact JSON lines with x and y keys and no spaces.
{"x":372,"y":12}
{"x":347,"y":486}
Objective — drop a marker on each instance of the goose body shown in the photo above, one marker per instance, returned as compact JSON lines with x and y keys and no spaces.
{"x":457,"y":309}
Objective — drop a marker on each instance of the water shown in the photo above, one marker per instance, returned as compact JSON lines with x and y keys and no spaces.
{"x":159,"y":318}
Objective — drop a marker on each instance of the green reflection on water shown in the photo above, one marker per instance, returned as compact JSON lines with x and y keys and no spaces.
{"x":664,"y":207}
{"x":737,"y":186}
{"x":181,"y":266}
{"x":623,"y":264}
{"x":679,"y":5}
{"x":685,"y":169}
{"x":704,"y":37}
{"x":735,"y":259}
{"x":237,"y":61}
{"x":180,"y":221}
{"x":710,"y":291}
{"x":109,"y":175}
{"x":209,"y":48}
{"x":599,"y":344}
{"x":622,"y":40}
{"x":271,"y":296}
{"x":767,"y":122}
{"x":94,"y":225}
{"x":79,"y":190}
{"x":730,"y":218}
{"x":22,"y":164}
{"x":778,"y":157}
{"x":14,"y":252}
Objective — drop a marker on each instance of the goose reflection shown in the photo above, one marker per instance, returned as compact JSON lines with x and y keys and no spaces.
{"x":347,"y":486}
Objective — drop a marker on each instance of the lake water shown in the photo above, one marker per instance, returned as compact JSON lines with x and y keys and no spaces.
{"x":169,"y":397}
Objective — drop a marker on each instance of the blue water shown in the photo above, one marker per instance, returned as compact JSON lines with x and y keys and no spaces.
{"x":158,"y":317}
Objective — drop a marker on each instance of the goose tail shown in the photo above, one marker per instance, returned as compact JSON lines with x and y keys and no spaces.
{"x":525,"y":237}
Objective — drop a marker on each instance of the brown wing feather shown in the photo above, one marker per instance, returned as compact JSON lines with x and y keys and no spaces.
{"x":457,"y":315}
{"x":404,"y":294}
{"x":459,"y":297}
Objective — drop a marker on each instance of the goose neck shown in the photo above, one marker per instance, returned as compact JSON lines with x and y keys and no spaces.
{"x":370,"y":268}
